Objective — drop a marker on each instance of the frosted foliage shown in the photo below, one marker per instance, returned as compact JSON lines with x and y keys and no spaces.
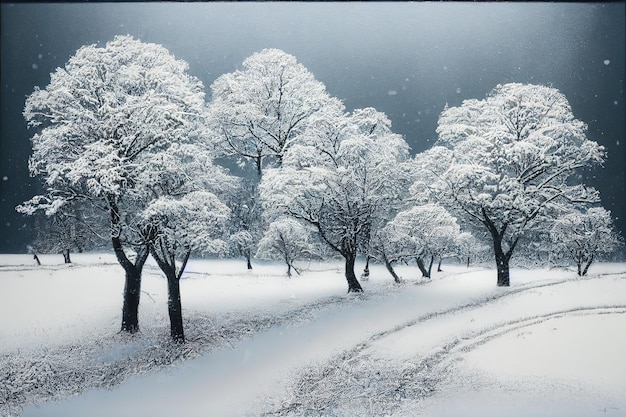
{"x":428,"y":169}
{"x":182,"y":169}
{"x":425,"y":230}
{"x":585,"y":235}
{"x":468,"y":246}
{"x":513,"y":155}
{"x":242,"y":241}
{"x":287,"y":240}
{"x":105,"y":115}
{"x":346,"y":181}
{"x":263,"y":109}
{"x":193,"y":223}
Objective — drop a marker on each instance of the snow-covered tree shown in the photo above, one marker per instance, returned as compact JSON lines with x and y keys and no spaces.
{"x":103,"y":123}
{"x":259,"y":112}
{"x":179,"y":227}
{"x":242,"y":243}
{"x":377,"y":126}
{"x":288,"y":240}
{"x":508,"y":162}
{"x":184,"y":214}
{"x":585,"y":235}
{"x":70,"y":229}
{"x":339,"y":180}
{"x":391,"y":245}
{"x":425,"y":231}
{"x":468,"y":247}
{"x":246,"y":225}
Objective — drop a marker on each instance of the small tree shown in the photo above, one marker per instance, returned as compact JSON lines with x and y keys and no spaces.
{"x":179,"y":227}
{"x":242,"y":244}
{"x":508,"y":163}
{"x":468,"y":247}
{"x":390,"y":246}
{"x":246,"y":222}
{"x":72,"y":228}
{"x":288,"y":240}
{"x":585,"y":235}
{"x":429,"y":231}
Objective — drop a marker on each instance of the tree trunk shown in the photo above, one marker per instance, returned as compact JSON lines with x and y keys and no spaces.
{"x":167,"y":263}
{"x":66,"y":256}
{"x":439,"y":265}
{"x":353,"y":282}
{"x":502,"y":263}
{"x":579,"y":257}
{"x":132,"y":284}
{"x":430,"y":266}
{"x":130,"y":308}
{"x":589,"y":262}
{"x":259,"y":167}
{"x":420,"y":265}
{"x":468,"y":261}
{"x":36,"y":258}
{"x":248,"y":256}
{"x":288,"y":269}
{"x":502,"y":258}
{"x":174,"y":307}
{"x":366,"y":271}
{"x":389,"y":267}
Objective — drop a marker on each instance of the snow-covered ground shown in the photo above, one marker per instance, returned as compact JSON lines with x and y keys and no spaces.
{"x":262,"y":344}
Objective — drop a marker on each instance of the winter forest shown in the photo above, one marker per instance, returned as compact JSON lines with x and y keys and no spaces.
{"x":139,"y":159}
{"x":127,"y":148}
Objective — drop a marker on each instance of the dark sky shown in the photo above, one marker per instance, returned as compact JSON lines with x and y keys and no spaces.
{"x":405,"y":59}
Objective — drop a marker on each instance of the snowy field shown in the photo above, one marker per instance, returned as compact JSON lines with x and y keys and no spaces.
{"x":262,"y":344}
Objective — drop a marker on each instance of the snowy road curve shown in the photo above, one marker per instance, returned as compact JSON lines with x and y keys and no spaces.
{"x":420,"y":332}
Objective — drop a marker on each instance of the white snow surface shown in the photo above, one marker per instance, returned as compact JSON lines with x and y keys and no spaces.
{"x":456,"y":345}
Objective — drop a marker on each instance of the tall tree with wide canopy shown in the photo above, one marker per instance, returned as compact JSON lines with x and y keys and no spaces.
{"x":339,"y":180}
{"x":508,"y":163}
{"x":103,"y":123}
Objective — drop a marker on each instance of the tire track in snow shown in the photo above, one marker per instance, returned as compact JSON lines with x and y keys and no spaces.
{"x":479,"y":303}
{"x":354,"y":382}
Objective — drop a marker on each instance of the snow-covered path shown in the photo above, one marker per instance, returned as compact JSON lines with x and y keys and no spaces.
{"x":439,"y":324}
{"x":229,"y":382}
